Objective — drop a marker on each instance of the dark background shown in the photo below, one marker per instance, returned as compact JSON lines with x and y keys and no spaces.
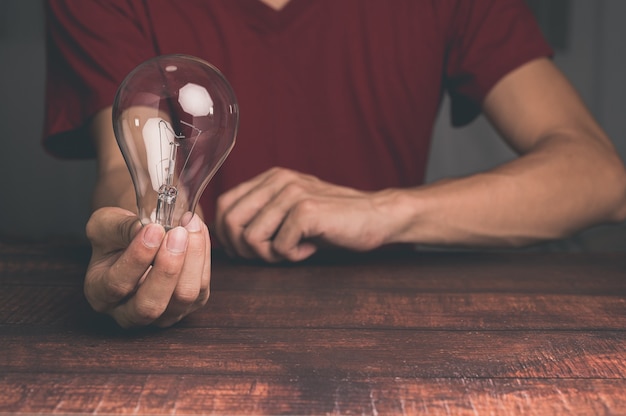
{"x":41,"y":197}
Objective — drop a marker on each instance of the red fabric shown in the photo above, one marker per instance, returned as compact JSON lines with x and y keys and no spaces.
{"x":347,"y":90}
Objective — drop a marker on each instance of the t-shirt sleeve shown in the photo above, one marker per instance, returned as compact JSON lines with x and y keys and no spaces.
{"x":91,"y":46}
{"x":486,"y":40}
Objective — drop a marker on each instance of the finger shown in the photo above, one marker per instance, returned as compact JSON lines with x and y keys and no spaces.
{"x":230,"y":226}
{"x":154,"y":294}
{"x":260,"y":232}
{"x":205,"y":282}
{"x":106,"y":284}
{"x":238,"y":206}
{"x":190,"y":292}
{"x":112,"y":228}
{"x":230,"y":198}
{"x":293,"y":239}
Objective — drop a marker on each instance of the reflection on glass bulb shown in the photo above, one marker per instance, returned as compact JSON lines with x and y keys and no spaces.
{"x":175,"y":118}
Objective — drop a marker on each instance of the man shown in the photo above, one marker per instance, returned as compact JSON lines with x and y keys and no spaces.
{"x":337,"y":101}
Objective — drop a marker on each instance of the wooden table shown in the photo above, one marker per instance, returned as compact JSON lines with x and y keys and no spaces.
{"x":385,"y":333}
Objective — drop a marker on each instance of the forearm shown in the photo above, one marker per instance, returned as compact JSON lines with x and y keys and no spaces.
{"x":114,"y":189}
{"x":560,"y":187}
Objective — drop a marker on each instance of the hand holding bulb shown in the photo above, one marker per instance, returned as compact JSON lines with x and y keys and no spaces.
{"x":175,"y":119}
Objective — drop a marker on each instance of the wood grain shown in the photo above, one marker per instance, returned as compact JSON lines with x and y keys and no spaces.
{"x":296,"y":352}
{"x":345,"y":308}
{"x":185,"y":394}
{"x":383,"y":333}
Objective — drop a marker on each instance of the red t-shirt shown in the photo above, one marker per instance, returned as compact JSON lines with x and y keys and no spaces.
{"x":347,"y":90}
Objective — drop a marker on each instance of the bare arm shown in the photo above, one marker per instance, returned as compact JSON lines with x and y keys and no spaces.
{"x":569,"y":176}
{"x":113,"y":186}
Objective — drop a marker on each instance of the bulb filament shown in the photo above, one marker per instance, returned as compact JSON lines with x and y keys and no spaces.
{"x":168,"y":191}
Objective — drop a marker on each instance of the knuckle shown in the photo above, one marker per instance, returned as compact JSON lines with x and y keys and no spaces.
{"x":277,"y":170}
{"x":186,"y":295}
{"x":147,"y":311}
{"x":283,"y":175}
{"x":93,"y":300}
{"x":293,"y":189}
{"x":306,"y":207}
{"x":169,"y":265}
{"x":129,"y":228}
{"x":230,"y":220}
{"x":280,"y":248}
{"x":222,"y":203}
{"x":90,"y":229}
{"x":98,"y":306}
{"x":116,"y":290}
{"x":93,"y":228}
{"x":251,"y":235}
{"x":259,"y":243}
{"x":169,"y":272}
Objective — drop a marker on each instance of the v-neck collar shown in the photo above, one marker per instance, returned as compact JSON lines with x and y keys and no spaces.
{"x":266,"y":18}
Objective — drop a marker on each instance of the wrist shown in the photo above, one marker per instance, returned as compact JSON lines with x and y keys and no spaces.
{"x":400,"y":211}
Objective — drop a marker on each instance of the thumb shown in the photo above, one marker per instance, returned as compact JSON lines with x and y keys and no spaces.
{"x":112,"y":228}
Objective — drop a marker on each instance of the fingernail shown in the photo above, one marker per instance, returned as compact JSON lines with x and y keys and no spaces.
{"x":153,"y":235}
{"x":177,"y":240}
{"x":194,"y":225}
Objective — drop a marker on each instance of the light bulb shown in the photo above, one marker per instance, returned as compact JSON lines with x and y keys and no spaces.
{"x":175,"y":118}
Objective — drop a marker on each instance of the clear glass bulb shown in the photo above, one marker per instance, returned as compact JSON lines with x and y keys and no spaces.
{"x":175,"y":118}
